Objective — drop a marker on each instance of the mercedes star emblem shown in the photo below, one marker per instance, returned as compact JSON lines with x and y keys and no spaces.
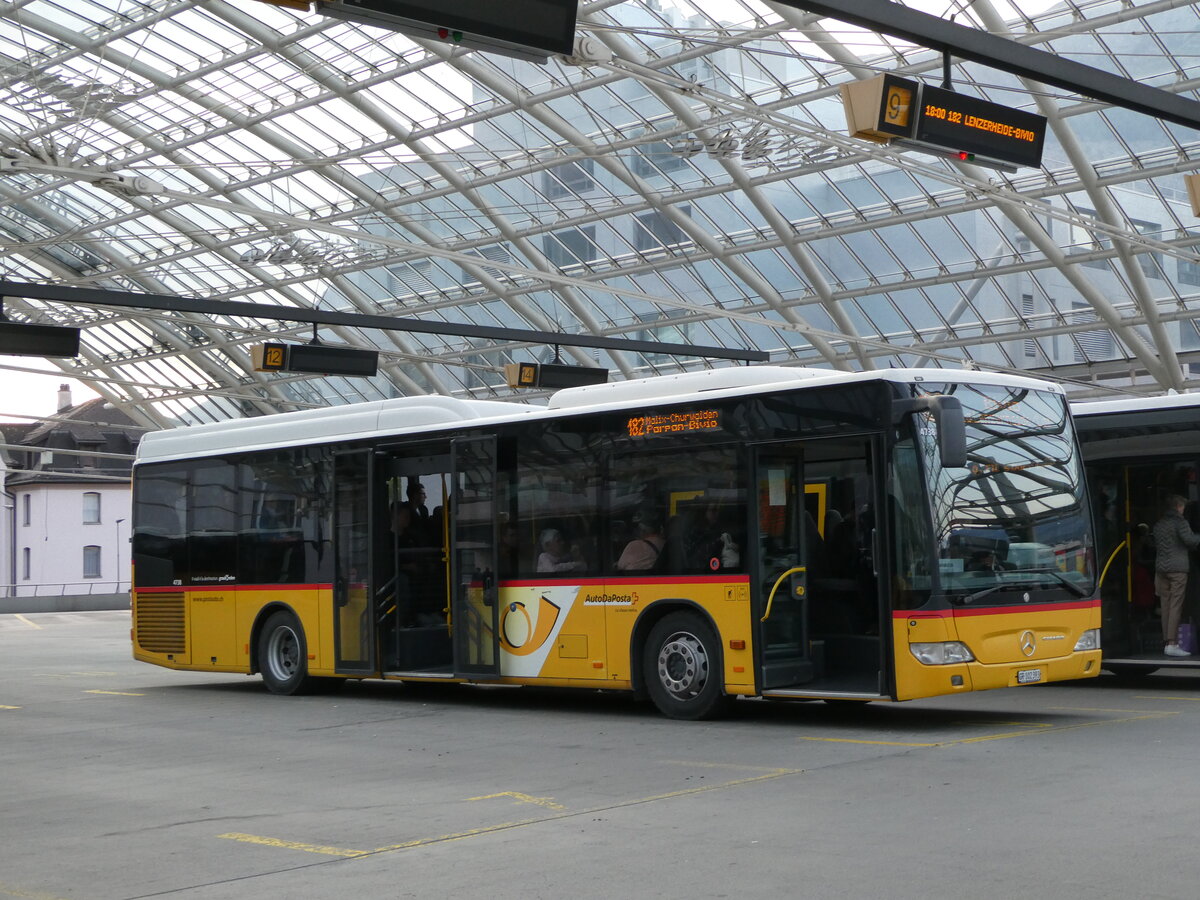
{"x":1028,"y":643}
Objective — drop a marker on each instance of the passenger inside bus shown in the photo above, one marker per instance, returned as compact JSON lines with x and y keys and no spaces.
{"x":556,"y":556}
{"x":711,"y":545}
{"x":404,"y":529}
{"x":509,"y":554}
{"x":416,"y":586}
{"x":644,"y":552}
{"x":416,"y":499}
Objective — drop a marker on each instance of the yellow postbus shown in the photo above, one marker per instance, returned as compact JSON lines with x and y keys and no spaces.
{"x":758,"y":531}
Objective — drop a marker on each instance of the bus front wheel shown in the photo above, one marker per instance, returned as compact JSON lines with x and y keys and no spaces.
{"x":283,"y":656}
{"x":682,"y":667}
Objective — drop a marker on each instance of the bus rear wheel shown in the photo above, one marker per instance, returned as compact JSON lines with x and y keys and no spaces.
{"x":682,"y":667}
{"x":283,"y":656}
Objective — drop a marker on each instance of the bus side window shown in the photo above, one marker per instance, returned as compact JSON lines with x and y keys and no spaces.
{"x":159,"y":541}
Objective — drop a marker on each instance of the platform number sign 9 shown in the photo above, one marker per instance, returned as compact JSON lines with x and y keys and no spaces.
{"x":897,"y":106}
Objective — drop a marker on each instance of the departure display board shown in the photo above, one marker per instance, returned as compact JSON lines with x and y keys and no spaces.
{"x":522,"y":28}
{"x":970,"y":125}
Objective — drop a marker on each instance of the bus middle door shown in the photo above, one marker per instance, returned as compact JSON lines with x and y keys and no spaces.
{"x":473,"y":559}
{"x":783,"y":566}
{"x":354,"y":531}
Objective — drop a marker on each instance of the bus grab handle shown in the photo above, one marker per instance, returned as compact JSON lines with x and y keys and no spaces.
{"x":1120,"y":547}
{"x":779,"y":581}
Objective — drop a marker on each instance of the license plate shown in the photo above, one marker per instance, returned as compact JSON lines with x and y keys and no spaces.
{"x":1028,"y":676}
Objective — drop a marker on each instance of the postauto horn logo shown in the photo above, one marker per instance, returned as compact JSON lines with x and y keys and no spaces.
{"x":520,"y":633}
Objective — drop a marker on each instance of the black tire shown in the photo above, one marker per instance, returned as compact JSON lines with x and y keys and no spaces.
{"x":682,"y":666}
{"x":283,"y":656}
{"x":1129,"y":670}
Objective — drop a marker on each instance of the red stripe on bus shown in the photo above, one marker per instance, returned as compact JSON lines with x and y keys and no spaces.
{"x":990,"y":610}
{"x":233,"y":587}
{"x":649,"y":579}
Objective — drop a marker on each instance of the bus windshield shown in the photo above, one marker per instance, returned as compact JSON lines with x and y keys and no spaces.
{"x":1015,"y":519}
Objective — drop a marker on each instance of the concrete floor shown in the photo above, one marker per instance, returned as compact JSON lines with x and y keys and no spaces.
{"x":121,"y":780}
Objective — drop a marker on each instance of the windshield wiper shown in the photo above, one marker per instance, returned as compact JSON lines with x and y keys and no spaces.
{"x":979,"y":595}
{"x":1018,"y":585}
{"x":1062,"y":579}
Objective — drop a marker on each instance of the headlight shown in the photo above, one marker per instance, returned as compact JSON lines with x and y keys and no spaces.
{"x":1089,"y":640}
{"x":942,"y":654}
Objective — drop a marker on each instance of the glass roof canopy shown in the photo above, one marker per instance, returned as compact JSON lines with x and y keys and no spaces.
{"x":686,"y":179}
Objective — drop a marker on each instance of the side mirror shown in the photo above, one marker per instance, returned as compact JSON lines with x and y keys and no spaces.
{"x":951,"y":430}
{"x":947,"y":418}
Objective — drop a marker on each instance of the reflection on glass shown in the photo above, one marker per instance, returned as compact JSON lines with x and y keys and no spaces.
{"x":1015,"y":518}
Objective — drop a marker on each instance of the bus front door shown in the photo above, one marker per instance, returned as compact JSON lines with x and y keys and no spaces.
{"x":819,"y":598}
{"x":783,"y":561}
{"x":473,"y":555}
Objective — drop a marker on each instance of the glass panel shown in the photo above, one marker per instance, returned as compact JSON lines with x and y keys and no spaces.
{"x":911,"y":538}
{"x":784,"y":526}
{"x":91,"y":508}
{"x":844,"y":594}
{"x":281,"y":534}
{"x":212,"y":523}
{"x":557,"y":492}
{"x":159,"y":540}
{"x":684,"y":513}
{"x":1009,"y":521}
{"x":475,"y":610}
{"x":411,"y":574}
{"x":353,"y":621}
{"x":91,"y":562}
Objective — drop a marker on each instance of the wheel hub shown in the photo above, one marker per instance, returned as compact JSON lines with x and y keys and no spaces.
{"x":283,"y":653}
{"x":683,"y":665}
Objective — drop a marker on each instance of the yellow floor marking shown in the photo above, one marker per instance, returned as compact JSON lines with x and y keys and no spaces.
{"x":116,"y":693}
{"x":7,"y":890}
{"x":292,"y":845}
{"x":876,"y":743}
{"x":1096,"y":709}
{"x":999,"y":737}
{"x":10,"y":707}
{"x":1168,"y":697}
{"x":503,"y":826}
{"x":547,"y":802}
{"x":488,"y":829}
{"x":710,"y":765}
{"x":71,"y":674}
{"x":995,"y":737}
{"x":30,"y":624}
{"x":457,"y":836}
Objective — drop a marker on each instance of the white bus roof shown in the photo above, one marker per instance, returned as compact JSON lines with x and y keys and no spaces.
{"x":1134,"y":404}
{"x":412,"y":416}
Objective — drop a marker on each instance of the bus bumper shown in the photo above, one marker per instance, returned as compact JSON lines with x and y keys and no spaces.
{"x":1080,"y":664}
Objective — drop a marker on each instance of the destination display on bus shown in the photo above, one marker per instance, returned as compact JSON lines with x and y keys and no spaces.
{"x":674,"y":423}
